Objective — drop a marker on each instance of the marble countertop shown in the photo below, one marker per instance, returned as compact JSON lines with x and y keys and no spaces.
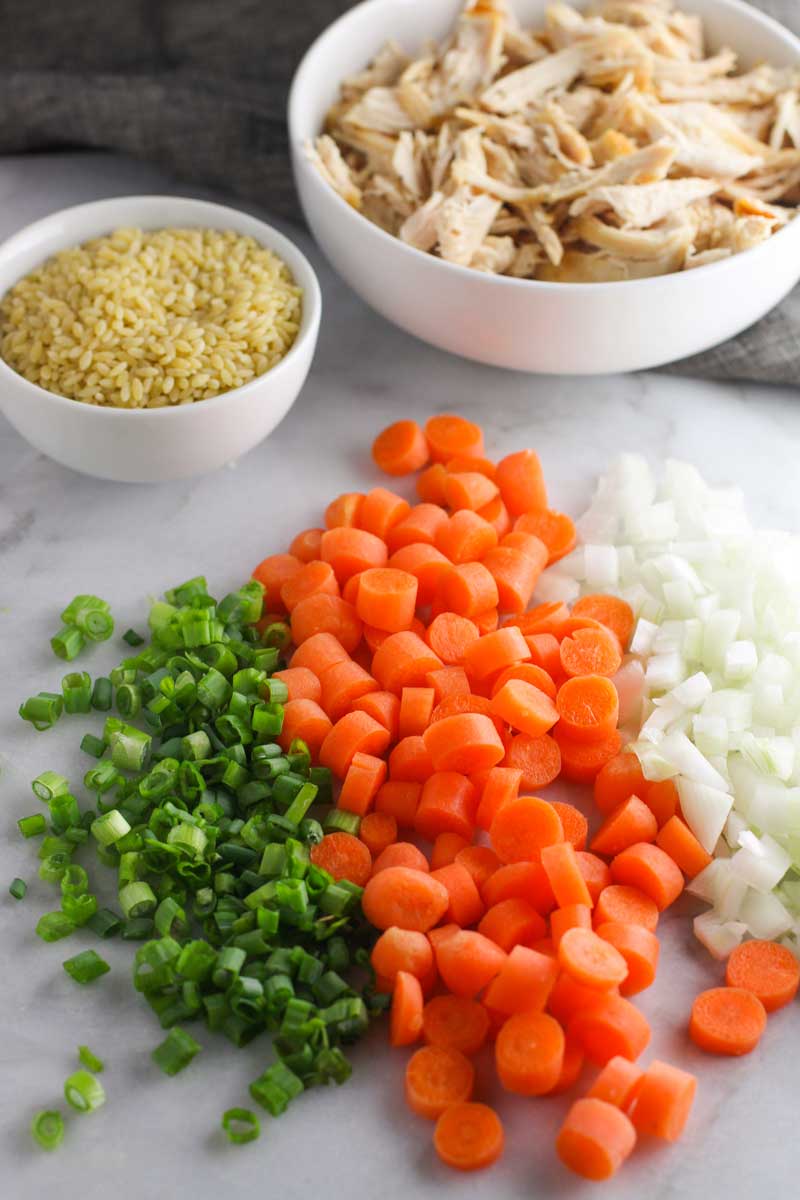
{"x":62,"y":533}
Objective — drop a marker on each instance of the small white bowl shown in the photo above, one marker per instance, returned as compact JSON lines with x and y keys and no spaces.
{"x":558,"y":328}
{"x":150,"y":445}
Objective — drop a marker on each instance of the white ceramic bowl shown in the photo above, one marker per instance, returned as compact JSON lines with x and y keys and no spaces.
{"x":156,"y":444}
{"x":529,"y":325}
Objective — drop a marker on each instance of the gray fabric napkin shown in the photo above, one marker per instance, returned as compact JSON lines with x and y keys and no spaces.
{"x":199,"y":87}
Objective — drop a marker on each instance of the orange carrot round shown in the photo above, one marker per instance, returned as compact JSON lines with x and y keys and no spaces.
{"x":544,"y":651}
{"x":383,"y":707}
{"x":523,"y":983}
{"x":569,"y":916}
{"x":305,"y":719}
{"x":448,"y":681}
{"x":590,"y":652}
{"x":543,"y":618}
{"x":410,"y":762}
{"x":661,"y":797}
{"x":560,"y":863}
{"x":618,"y":1083}
{"x":403,"y":661}
{"x":555,"y":529}
{"x":319,"y":652}
{"x":590,"y":960}
{"x":468,"y":489}
{"x":377,"y":831}
{"x":521,"y":481}
{"x":469,"y":589}
{"x":343,"y":684}
{"x":539,"y":759}
{"x":354,"y":733}
{"x":522,"y":827}
{"x":326,"y":614}
{"x":497,"y":515}
{"x":387,"y":598}
{"x":618,"y":779}
{"x":450,"y":436}
{"x":405,"y":1022}
{"x":581,"y":760}
{"x":595,"y":1139}
{"x":664,"y":1100}
{"x":502,"y":784}
{"x":480,"y":861}
{"x":527,"y":880}
{"x":272,"y":573}
{"x":571,"y":1066}
{"x":727,"y":1020}
{"x":515,"y":573}
{"x":301,"y":683}
{"x":306,"y":545}
{"x":568,"y":998}
{"x":401,"y":854}
{"x":467,"y":961}
{"x":344,"y":857}
{"x":446,"y":847}
{"x":613,"y":1026}
{"x":651,"y":870}
{"x":766,"y":969}
{"x":496,"y":651}
{"x":465,"y":905}
{"x":430,"y":484}
{"x":404,"y":897}
{"x":529,"y":1053}
{"x":343,"y":512}
{"x":528,"y":673}
{"x":471,"y":462}
{"x":381,"y":510}
{"x":312,"y":579}
{"x":511,"y":923}
{"x":468,"y":1137}
{"x":456,"y":1023}
{"x":615,"y":614}
{"x":630,"y":822}
{"x":350,"y":550}
{"x":676,"y":839}
{"x":402,"y":950}
{"x":420,"y":524}
{"x":639,"y":947}
{"x":588,"y":708}
{"x":447,"y":805}
{"x":595,"y":872}
{"x":399,"y":799}
{"x":364,"y":777}
{"x":466,"y":742}
{"x":573,"y":822}
{"x":427,"y":564}
{"x":450,"y":636}
{"x":524,"y":708}
{"x":626,"y":905}
{"x":400,"y":448}
{"x":466,"y":537}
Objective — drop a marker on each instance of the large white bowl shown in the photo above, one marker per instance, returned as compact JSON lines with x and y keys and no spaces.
{"x":155,"y":444}
{"x":528,"y":325}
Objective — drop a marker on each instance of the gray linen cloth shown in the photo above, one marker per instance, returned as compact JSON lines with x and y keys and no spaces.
{"x":199,"y":87}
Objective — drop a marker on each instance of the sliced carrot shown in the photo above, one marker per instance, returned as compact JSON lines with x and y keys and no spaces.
{"x":468,"y":1137}
{"x":467,"y":961}
{"x":615,"y":614}
{"x":428,"y":566}
{"x":618,"y":1083}
{"x":354,"y":733}
{"x":571,"y":1067}
{"x":661,"y":798}
{"x":301,"y":684}
{"x":524,"y":708}
{"x":399,"y":799}
{"x":419,"y":525}
{"x":523,"y":983}
{"x":387,"y":598}
{"x":664,"y":1101}
{"x":595,"y":1139}
{"x":544,"y":618}
{"x":272,"y":573}
{"x":590,"y":652}
{"x":727,"y":1020}
{"x":416,"y":706}
{"x":591,"y":960}
{"x":404,"y":897}
{"x":410,"y":762}
{"x":544,"y":651}
{"x":528,"y":673}
{"x":401,"y":854}
{"x":343,"y":512}
{"x":515,"y":573}
{"x":377,"y":830}
{"x":403,"y":661}
{"x":573,"y":822}
{"x":581,"y":761}
{"x":466,"y":906}
{"x":364,"y":777}
{"x":628,"y":823}
{"x":437,"y":936}
{"x":627,"y":905}
{"x":306,"y":545}
{"x":326,"y":614}
{"x":530,"y":545}
{"x":312,"y":579}
{"x":588,"y":707}
{"x":498,"y":516}
{"x":430,"y":484}
{"x":569,"y":916}
{"x":466,"y":743}
{"x":480,"y":861}
{"x":466,"y":537}
{"x":529,"y":1053}
{"x":400,"y":448}
{"x":560,"y":863}
{"x":620,"y":778}
{"x":405,"y":1023}
{"x":343,"y":684}
{"x":446,"y":847}
{"x":555,"y":529}
{"x":766,"y":969}
{"x":383,"y":707}
{"x":450,"y":436}
{"x":350,"y":550}
{"x":568,"y":998}
{"x":344,"y":857}
{"x":467,"y":462}
{"x":523,"y":827}
{"x":595,"y":872}
{"x":521,"y":482}
{"x":613,"y":1026}
{"x":495,"y":652}
{"x":538,"y":758}
{"x":526,"y":880}
{"x":450,"y":636}
{"x":676,"y":839}
{"x":402,"y":950}
{"x":487,"y":621}
{"x":501,"y":784}
{"x":448,"y":681}
{"x":305,"y":719}
{"x":318,"y":652}
{"x":381,"y":510}
{"x":468,"y":589}
{"x":455,"y":1022}
{"x":651,"y":870}
{"x":512,"y":923}
{"x":469,"y":489}
{"x":447,"y":805}
{"x":639,"y":947}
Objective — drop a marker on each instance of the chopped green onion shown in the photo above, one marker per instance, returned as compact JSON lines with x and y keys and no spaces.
{"x":176,"y":1051}
{"x":86,"y":966}
{"x":68,"y":643}
{"x":80,"y":909}
{"x":76,"y":689}
{"x":83,"y":603}
{"x":339,"y":820}
{"x":241,"y":1126}
{"x":90,"y":1060}
{"x":64,"y":812}
{"x":129,"y":699}
{"x":102,"y":777}
{"x":136,"y":929}
{"x":102,"y":694}
{"x":42,"y":710}
{"x":132,"y":638}
{"x":32,"y":826}
{"x":74,"y":881}
{"x":53,"y":926}
{"x":137,"y":900}
{"x":83,"y":1092}
{"x":54,"y":866}
{"x":49,"y":784}
{"x":93,"y":745}
{"x":47,"y":1129}
{"x":18,"y":888}
{"x":105,"y":923}
{"x":129,"y":746}
{"x":109,"y":827}
{"x":276,"y":1088}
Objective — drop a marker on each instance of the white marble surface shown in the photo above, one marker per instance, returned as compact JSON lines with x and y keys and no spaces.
{"x":61,"y":533}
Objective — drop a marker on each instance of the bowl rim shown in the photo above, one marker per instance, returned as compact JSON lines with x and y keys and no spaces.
{"x":274,"y":240}
{"x":301,"y":163}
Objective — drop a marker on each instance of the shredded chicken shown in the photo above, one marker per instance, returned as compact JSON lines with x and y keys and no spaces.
{"x":607,"y":144}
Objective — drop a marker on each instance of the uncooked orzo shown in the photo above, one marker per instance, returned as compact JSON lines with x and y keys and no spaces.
{"x":148,"y":319}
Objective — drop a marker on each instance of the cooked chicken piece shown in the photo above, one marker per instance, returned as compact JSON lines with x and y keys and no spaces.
{"x":748,"y":232}
{"x":409,"y":162}
{"x":417,"y":93}
{"x":526,"y":260}
{"x":686,"y":73}
{"x":747,"y":205}
{"x":571,"y":146}
{"x":756,"y":87}
{"x":642,"y":205}
{"x":462,"y":223}
{"x":394,"y":195}
{"x":787,"y":120}
{"x":705,"y":257}
{"x":495,"y":256}
{"x":500,"y":162}
{"x":540,"y":226}
{"x":580,"y":105}
{"x":379,"y":109}
{"x":420,"y":229}
{"x":528,"y":85}
{"x":327,"y":158}
{"x":709,"y":142}
{"x":565,"y":26}
{"x":384,"y":71}
{"x":439,"y":163}
{"x":601,"y":267}
{"x":610,"y":146}
{"x":671,"y":238}
{"x":377,"y":148}
{"x":520,"y":48}
{"x":513,"y":132}
{"x":475,"y":56}
{"x":469,"y":152}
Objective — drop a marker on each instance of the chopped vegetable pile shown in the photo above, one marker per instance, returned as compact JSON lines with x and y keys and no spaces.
{"x":428,"y":700}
